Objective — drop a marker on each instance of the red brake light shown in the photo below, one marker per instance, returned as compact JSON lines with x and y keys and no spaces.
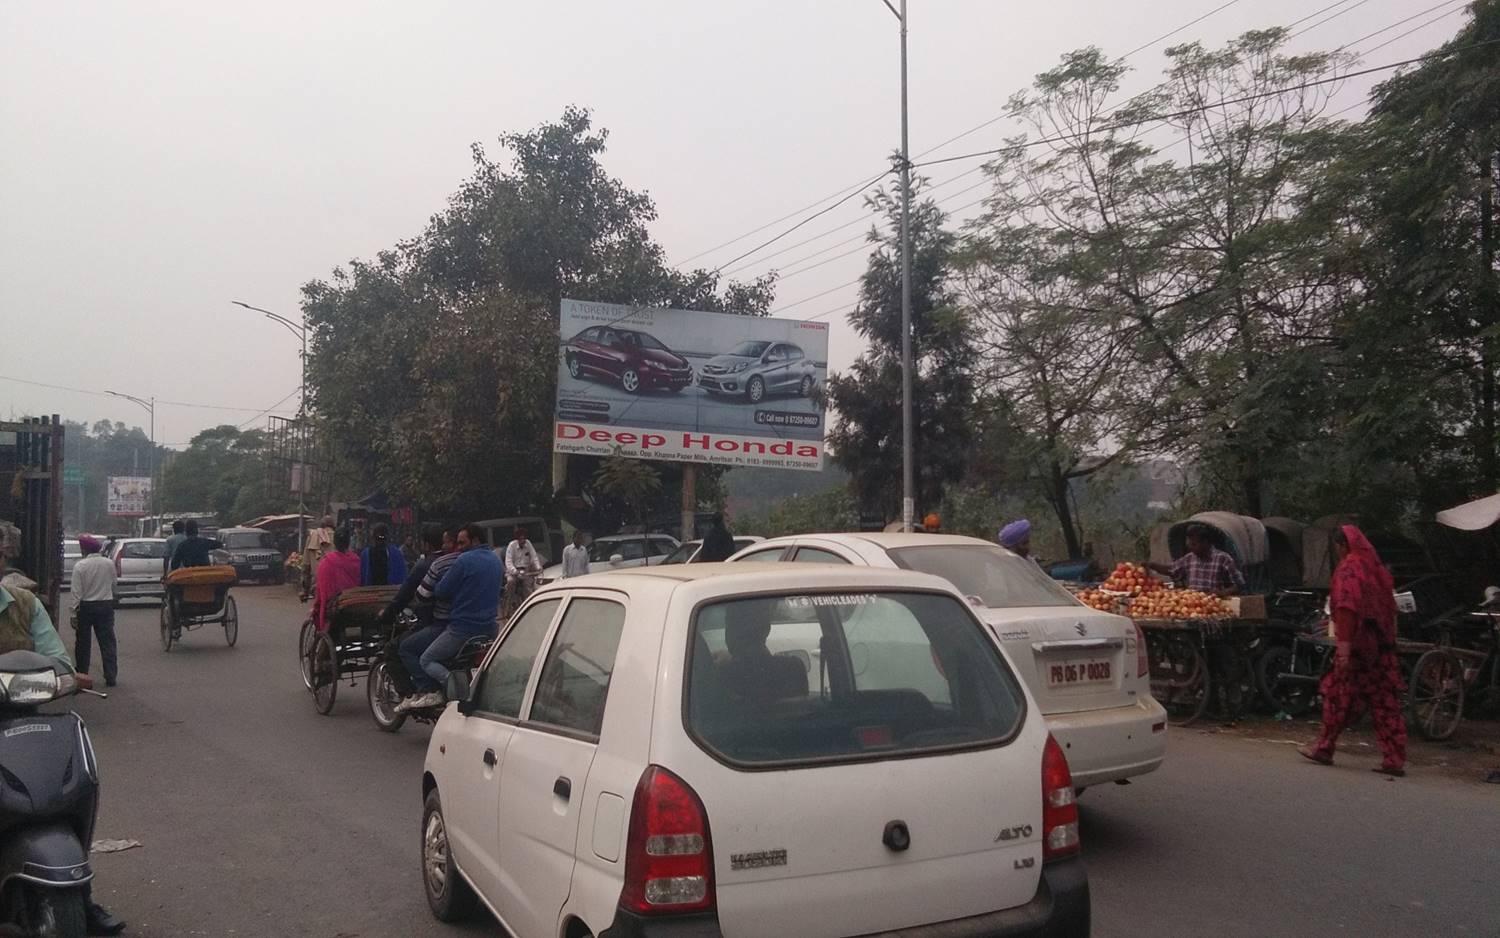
{"x":669,"y":862}
{"x":118,"y":555}
{"x":1059,"y":805}
{"x":1142,"y":660}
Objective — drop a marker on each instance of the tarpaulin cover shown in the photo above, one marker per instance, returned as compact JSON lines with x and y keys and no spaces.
{"x":1242,"y":536}
{"x":1473,"y":516}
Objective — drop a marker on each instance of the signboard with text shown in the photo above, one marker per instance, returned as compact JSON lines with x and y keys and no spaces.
{"x":700,"y":387}
{"x":127,"y":496}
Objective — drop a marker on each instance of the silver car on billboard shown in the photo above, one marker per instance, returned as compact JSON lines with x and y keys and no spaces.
{"x":756,"y":368}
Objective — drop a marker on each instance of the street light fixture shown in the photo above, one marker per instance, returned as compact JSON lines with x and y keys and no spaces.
{"x":300,"y":331}
{"x":150,"y":406}
{"x":908,"y":504}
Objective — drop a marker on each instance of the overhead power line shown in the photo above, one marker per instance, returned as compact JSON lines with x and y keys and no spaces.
{"x":159,"y":401}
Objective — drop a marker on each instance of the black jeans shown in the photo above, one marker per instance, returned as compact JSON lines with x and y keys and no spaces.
{"x":96,"y":618}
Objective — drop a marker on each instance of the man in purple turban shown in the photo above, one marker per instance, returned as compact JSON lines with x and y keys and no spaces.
{"x":1016,"y":537}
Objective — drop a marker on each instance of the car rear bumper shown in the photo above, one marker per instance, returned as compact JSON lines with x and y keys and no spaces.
{"x":127,"y":588}
{"x":268,"y":570}
{"x":1113,"y":744}
{"x":1060,"y":909}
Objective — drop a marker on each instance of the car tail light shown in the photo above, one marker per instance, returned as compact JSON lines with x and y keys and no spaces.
{"x":669,"y":863}
{"x":118,"y":571}
{"x":1142,"y":659}
{"x":1059,"y":805}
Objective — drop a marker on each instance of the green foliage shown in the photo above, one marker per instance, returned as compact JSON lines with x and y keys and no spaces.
{"x":832,"y":510}
{"x":866,"y":441}
{"x":223,"y":470}
{"x":103,"y":450}
{"x":631,"y":482}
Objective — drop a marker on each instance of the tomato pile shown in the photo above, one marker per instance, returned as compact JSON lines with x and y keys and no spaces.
{"x":1098,"y":599}
{"x":1178,"y":604}
{"x":1131,"y":578}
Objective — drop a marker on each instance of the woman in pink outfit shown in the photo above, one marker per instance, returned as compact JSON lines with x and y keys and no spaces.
{"x":337,"y":571}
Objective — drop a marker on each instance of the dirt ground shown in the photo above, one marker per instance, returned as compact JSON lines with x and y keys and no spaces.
{"x":1472,"y":755}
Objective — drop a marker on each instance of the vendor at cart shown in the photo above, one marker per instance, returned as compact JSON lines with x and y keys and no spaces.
{"x":1204,"y":567}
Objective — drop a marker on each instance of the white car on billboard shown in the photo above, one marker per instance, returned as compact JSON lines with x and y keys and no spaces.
{"x":756,"y":368}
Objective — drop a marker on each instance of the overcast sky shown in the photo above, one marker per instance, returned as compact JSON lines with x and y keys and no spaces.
{"x":162,"y":159}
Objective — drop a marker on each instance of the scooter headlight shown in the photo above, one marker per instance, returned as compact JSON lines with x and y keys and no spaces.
{"x":28,"y":687}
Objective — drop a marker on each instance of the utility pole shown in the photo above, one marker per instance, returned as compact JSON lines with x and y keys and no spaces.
{"x":150,"y":406}
{"x":908,"y":503}
{"x":300,"y":331}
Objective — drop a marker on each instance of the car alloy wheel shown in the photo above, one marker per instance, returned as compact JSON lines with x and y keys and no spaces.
{"x":630,"y":380}
{"x":756,"y":389}
{"x":574,"y":369}
{"x":807,"y":386}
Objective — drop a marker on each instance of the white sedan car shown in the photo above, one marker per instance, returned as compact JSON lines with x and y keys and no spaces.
{"x":620,"y":552}
{"x":708,"y":750}
{"x":1087,"y":669}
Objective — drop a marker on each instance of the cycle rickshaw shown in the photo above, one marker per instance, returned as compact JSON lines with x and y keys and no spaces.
{"x":199,"y":596}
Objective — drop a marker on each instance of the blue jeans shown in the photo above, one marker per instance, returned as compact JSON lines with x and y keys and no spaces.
{"x":426,"y":652}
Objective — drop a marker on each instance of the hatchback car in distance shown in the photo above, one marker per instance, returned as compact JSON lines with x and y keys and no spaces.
{"x":650,"y":753}
{"x":253,"y":554}
{"x":756,"y":368}
{"x":140,"y":563}
{"x":1086,"y":669}
{"x":635,"y":359}
{"x":687,"y":551}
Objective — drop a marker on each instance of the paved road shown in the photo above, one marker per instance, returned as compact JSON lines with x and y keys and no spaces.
{"x":259,"y":817}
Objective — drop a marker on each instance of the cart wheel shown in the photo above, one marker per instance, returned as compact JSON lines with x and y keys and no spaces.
{"x":166,"y":626}
{"x":1284,"y":687}
{"x":325,"y":673}
{"x":231,"y":621}
{"x":1179,"y":677}
{"x":1436,"y":698}
{"x":305,"y":643}
{"x":381,"y":692}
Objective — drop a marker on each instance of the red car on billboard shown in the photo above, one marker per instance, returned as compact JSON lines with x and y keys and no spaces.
{"x":633,"y":358}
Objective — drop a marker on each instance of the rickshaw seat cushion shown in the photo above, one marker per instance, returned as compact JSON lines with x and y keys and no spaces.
{"x":355,"y":610}
{"x":208,"y":577}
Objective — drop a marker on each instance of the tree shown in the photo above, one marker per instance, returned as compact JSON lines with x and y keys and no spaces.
{"x":103,"y":450}
{"x":631,"y":482}
{"x":866,"y":441}
{"x":223,"y":470}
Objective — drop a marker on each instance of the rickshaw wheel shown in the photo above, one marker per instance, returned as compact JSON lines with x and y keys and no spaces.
{"x":166,"y":625}
{"x":1436,"y":697}
{"x":1179,"y":677}
{"x":231,"y":621}
{"x":381,"y":693}
{"x":325,"y":673}
{"x":305,"y":641}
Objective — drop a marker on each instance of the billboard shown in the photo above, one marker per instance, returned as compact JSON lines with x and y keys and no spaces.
{"x":127,"y":496}
{"x":700,"y":387}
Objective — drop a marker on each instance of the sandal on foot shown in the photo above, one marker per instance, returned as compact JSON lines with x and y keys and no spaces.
{"x":1313,"y":755}
{"x":1393,"y":771}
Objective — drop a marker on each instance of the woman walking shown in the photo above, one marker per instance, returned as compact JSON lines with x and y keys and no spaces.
{"x":1365,"y":672}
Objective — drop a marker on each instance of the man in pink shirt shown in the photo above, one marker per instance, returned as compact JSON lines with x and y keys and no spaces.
{"x":338,"y":570}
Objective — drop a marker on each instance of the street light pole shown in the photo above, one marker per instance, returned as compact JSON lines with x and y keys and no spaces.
{"x":150,"y":406}
{"x":300,"y":331}
{"x":908,"y":503}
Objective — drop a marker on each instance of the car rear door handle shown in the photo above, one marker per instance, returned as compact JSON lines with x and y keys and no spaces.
{"x":562,"y":788}
{"x":489,"y":758}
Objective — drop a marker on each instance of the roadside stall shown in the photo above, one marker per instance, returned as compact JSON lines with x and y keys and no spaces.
{"x":1284,"y":552}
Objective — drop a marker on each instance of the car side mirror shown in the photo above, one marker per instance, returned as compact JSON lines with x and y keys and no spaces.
{"x":616,"y":559}
{"x":458,"y":689}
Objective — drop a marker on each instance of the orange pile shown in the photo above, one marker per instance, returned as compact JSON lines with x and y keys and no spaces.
{"x":1178,"y":604}
{"x":1131,"y":578}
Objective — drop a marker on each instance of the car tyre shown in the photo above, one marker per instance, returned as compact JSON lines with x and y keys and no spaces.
{"x":575,"y":370}
{"x":630,"y":380}
{"x":806,"y":388}
{"x":448,"y":894}
{"x":755,"y":391}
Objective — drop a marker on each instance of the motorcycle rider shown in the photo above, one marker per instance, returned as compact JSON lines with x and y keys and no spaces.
{"x":471,"y":587}
{"x":25,"y":625}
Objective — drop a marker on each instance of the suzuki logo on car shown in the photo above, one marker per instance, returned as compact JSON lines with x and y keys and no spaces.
{"x":1081,"y":629}
{"x":1011,"y":833}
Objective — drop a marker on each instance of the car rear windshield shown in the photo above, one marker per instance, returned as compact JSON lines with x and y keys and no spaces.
{"x":1000,"y":579}
{"x":813,"y":677}
{"x":248,"y":540}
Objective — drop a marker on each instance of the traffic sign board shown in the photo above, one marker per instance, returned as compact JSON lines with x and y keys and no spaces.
{"x":72,"y":475}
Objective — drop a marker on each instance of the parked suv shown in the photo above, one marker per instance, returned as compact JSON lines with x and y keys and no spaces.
{"x":140,"y":563}
{"x":1086,"y":669}
{"x":755,"y":368}
{"x":253,"y":554}
{"x":703,"y":750}
{"x":634,"y":358}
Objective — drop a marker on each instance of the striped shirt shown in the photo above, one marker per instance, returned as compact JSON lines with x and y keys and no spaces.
{"x":1208,"y":575}
{"x":441,"y":609}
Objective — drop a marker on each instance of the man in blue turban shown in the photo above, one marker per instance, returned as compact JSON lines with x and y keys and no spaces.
{"x":1016,"y":537}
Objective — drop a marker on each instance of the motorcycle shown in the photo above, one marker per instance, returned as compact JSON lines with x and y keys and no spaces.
{"x":49,"y":798}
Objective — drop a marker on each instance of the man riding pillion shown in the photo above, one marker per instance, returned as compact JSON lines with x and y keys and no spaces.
{"x":25,"y":626}
{"x":522,"y":564}
{"x":471,"y":587}
{"x":434,"y":541}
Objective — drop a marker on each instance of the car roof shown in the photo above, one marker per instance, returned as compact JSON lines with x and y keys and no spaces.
{"x":633,"y":537}
{"x":886,"y":541}
{"x":739,"y":578}
{"x":241,"y":529}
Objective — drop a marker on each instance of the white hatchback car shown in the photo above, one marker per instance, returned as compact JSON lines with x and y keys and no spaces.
{"x":702,"y":750}
{"x":1086,"y":669}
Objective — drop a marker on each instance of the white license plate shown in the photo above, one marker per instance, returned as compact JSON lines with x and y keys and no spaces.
{"x":259,"y":566}
{"x":1074,"y":673}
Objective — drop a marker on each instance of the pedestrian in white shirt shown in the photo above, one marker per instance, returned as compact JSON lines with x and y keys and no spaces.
{"x":575,"y":560}
{"x":93,"y":598}
{"x":522,"y":564}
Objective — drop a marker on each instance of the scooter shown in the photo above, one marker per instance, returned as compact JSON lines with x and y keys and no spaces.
{"x":49,"y":796}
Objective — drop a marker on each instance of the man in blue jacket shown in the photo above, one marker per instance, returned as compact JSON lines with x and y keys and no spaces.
{"x":471,"y":587}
